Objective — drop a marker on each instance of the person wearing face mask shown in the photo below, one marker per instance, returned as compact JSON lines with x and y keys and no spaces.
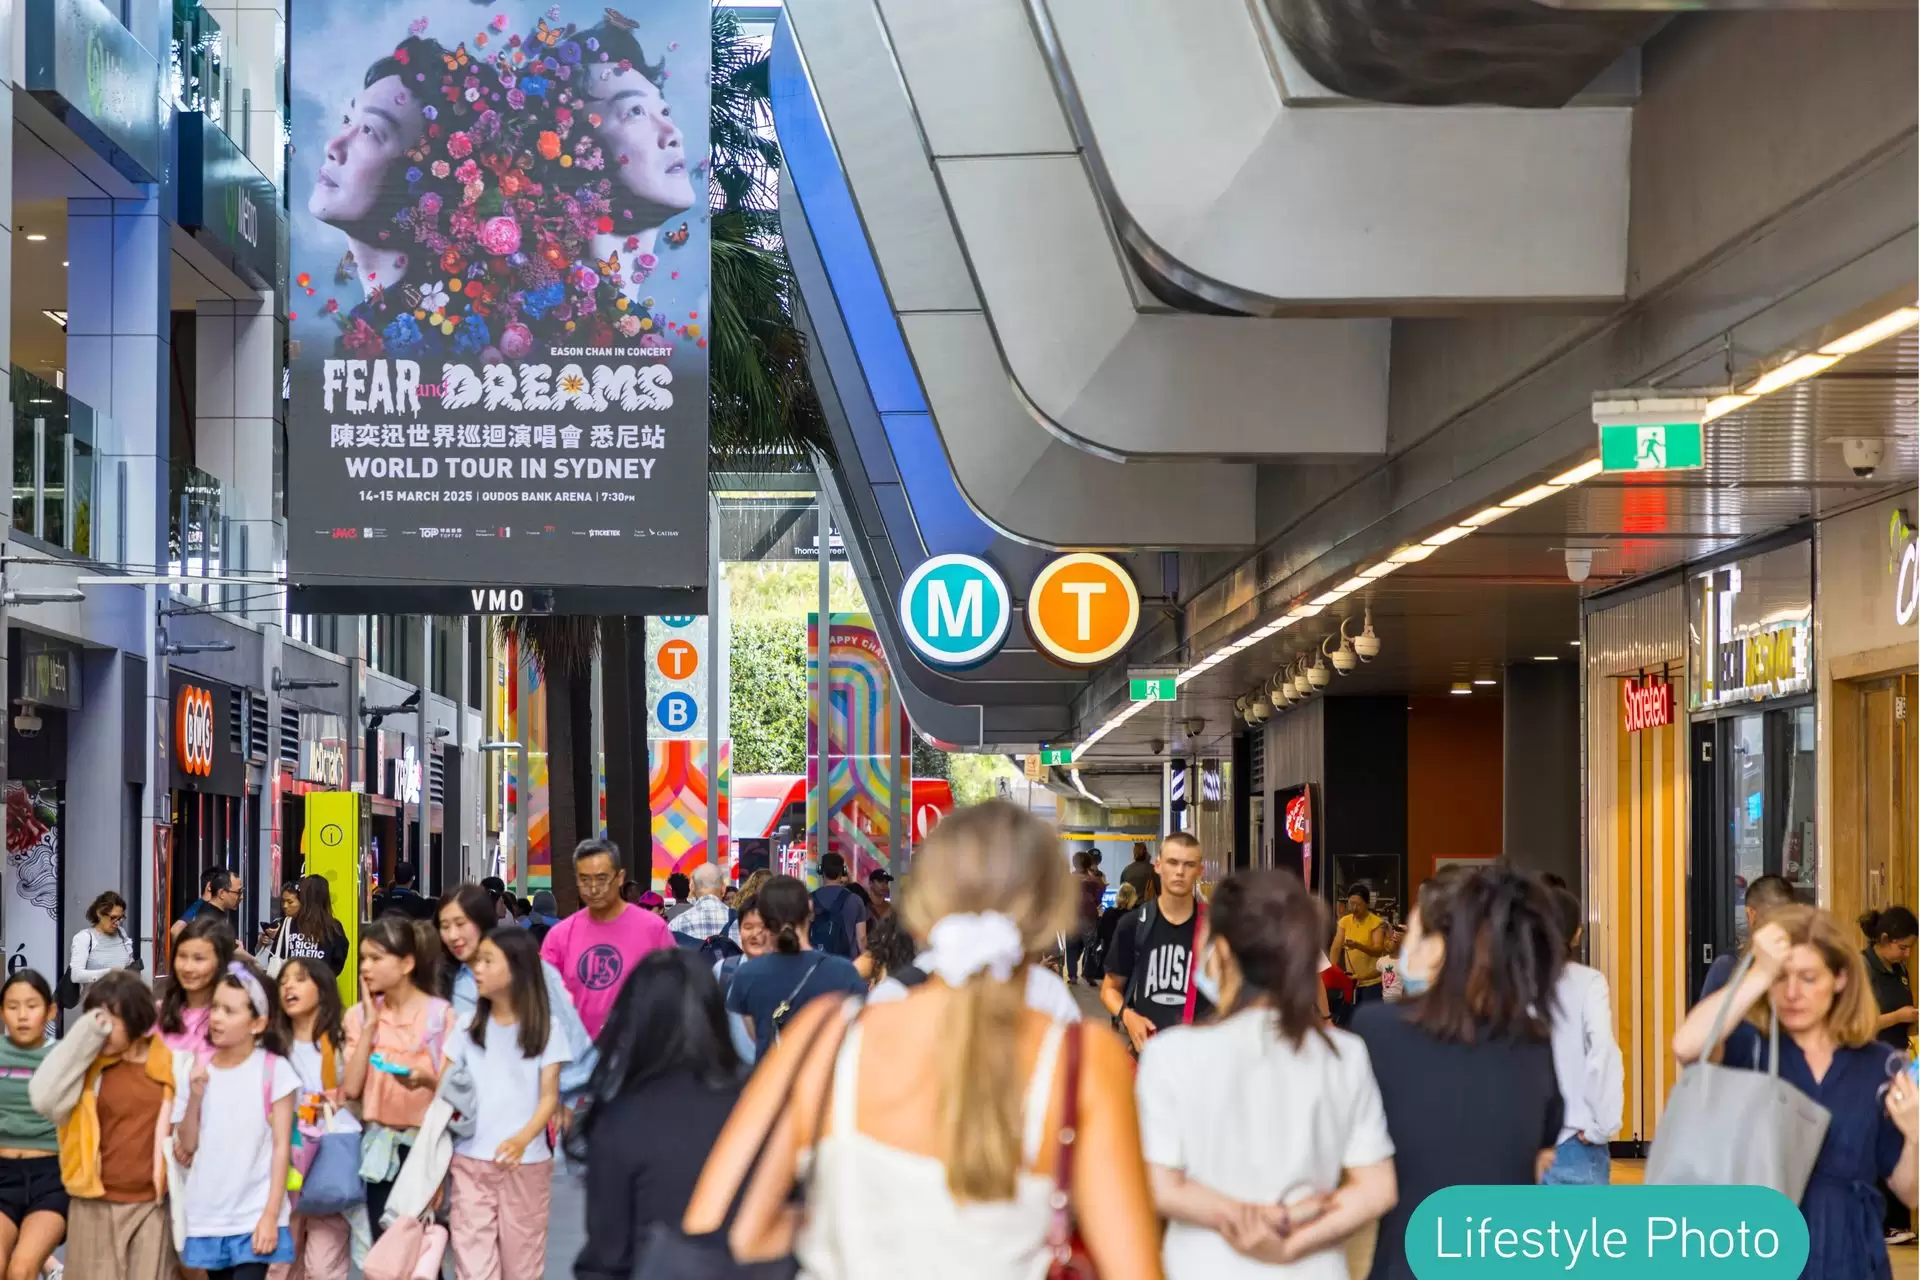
{"x":1465,"y":1061}
{"x":1285,"y":1155}
{"x":1806,"y":973}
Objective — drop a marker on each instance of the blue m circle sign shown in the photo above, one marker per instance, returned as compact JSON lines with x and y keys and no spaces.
{"x":955,"y":610}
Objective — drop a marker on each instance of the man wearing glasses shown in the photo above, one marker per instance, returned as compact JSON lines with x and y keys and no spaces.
{"x":596,"y":947}
{"x":103,"y":945}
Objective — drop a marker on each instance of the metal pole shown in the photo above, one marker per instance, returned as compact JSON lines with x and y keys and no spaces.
{"x":823,"y":667}
{"x":902,"y":781}
{"x":523,"y":776}
{"x":713,"y":682}
{"x":423,"y":756}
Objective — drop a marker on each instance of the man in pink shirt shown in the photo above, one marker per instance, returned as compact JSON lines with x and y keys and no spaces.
{"x":596,"y":948}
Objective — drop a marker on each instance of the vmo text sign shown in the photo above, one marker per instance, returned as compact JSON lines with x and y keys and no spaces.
{"x":955,"y":610}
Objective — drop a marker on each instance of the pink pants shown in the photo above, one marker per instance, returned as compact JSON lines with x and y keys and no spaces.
{"x":499,"y":1219}
{"x":319,"y":1250}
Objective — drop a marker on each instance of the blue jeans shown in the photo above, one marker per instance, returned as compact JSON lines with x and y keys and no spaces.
{"x":1578,"y":1164}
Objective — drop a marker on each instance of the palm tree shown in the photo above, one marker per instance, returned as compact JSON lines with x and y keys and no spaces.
{"x":562,"y":650}
{"x":763,"y":411}
{"x":763,"y":404}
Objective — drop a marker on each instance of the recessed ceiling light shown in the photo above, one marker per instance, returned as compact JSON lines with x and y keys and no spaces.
{"x":1461,"y":686}
{"x":58,"y":317}
{"x":1585,"y":471}
{"x":35,"y":236}
{"x":1546,"y":657}
{"x":1531,"y":496}
{"x":1574,"y":643}
{"x":1453,"y":533}
{"x":1484,"y":682}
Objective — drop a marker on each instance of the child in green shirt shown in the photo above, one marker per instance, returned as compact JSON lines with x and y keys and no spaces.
{"x":33,"y":1200}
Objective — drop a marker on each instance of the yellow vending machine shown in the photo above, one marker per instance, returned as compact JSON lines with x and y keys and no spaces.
{"x":339,"y":825}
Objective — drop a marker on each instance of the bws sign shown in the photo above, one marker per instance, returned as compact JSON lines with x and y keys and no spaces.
{"x":1646,"y":704}
{"x":193,"y":731}
{"x":955,"y":610}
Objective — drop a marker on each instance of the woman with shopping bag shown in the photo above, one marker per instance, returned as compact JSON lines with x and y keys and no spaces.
{"x":1807,"y":1018}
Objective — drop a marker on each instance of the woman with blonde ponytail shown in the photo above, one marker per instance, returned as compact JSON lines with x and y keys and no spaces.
{"x":934,"y":1122}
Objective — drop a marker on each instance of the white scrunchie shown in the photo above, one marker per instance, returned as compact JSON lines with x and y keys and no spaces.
{"x":960,"y":946}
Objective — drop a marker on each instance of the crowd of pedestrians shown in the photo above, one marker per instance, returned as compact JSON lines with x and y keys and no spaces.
{"x":854,"y":1085}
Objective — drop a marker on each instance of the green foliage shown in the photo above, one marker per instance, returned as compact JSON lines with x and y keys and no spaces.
{"x":788,"y":589}
{"x":769,"y":693}
{"x":763,"y":404}
{"x":975,"y":777}
{"x":929,"y":761}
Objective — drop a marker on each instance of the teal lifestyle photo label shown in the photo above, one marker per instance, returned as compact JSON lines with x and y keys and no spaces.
{"x":1649,"y":1233}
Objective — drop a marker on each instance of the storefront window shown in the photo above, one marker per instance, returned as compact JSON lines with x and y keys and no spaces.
{"x":53,"y":464}
{"x":1753,"y":741}
{"x":1749,"y":839}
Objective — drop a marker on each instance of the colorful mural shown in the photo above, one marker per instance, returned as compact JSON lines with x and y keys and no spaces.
{"x":678,"y":789}
{"x":860,"y":742}
{"x":533,"y":723}
{"x":678,"y":722}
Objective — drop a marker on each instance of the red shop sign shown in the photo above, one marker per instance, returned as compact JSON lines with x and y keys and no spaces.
{"x":1647,"y":704}
{"x":1299,"y":819}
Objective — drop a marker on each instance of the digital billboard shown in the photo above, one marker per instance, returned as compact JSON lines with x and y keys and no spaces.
{"x":500,"y":267}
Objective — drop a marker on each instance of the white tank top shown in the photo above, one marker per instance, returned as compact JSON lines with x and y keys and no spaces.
{"x":875,"y":1212}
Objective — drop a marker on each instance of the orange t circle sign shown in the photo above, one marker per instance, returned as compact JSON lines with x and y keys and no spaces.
{"x":1083,"y":609}
{"x":678,"y":660}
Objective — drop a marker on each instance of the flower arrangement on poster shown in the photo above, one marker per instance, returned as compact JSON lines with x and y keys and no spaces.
{"x":500,"y":274}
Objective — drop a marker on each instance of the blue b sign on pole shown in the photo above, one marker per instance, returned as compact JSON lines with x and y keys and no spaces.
{"x":677,"y":712}
{"x":955,"y":610}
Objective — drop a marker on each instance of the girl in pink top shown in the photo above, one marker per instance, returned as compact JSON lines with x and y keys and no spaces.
{"x":402,"y":1024}
{"x":201,"y":953}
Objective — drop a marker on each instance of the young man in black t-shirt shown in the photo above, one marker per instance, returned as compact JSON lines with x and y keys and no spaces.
{"x":1150,"y":967}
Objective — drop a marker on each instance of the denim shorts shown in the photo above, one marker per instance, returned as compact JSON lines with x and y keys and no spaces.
{"x":213,"y":1253}
{"x":1579,"y":1164}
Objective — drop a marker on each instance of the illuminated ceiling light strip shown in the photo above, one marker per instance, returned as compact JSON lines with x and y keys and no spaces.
{"x":1874,"y":332}
{"x":1452,"y":533}
{"x":1530,"y":496}
{"x":1412,"y":554}
{"x":1721,"y":406}
{"x":1796,"y":370}
{"x":1326,"y":598}
{"x":1480,"y":519}
{"x":1585,"y":471}
{"x":1304,"y":611}
{"x":1379,"y":571}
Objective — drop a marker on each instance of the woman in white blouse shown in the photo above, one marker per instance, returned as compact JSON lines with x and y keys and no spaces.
{"x":102,"y":946}
{"x":1265,"y":1140}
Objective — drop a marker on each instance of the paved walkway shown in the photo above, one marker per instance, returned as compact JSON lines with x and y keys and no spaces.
{"x":566,"y":1228}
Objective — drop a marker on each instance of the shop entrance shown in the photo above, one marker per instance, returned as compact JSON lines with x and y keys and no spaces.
{"x":1754,"y":787}
{"x":1876,"y":811}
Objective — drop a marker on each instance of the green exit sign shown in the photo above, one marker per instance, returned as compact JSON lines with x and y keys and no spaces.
{"x":1155,"y":689}
{"x":1056,"y":755}
{"x":1673,"y":446}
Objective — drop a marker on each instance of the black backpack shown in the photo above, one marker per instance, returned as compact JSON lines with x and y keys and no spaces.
{"x":829,"y":932}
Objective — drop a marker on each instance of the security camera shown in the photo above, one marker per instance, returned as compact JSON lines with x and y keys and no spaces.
{"x":1366,"y":644}
{"x":1156,"y":746}
{"x":26,"y":724}
{"x":1194,"y":727}
{"x":1260,"y":711}
{"x":1862,"y":454}
{"x":1579,"y":563}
